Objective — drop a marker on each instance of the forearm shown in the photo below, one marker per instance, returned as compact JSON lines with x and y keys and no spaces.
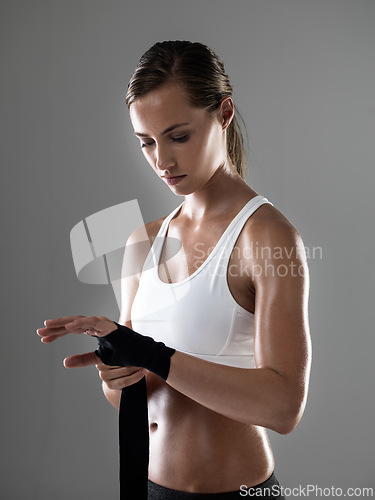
{"x":113,"y":395}
{"x":259,"y":396}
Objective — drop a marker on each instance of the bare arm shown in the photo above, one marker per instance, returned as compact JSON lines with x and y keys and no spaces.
{"x":273,"y":395}
{"x":136,"y":250}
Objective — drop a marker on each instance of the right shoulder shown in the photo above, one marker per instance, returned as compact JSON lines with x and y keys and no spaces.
{"x":148,"y":231}
{"x":138,"y":246}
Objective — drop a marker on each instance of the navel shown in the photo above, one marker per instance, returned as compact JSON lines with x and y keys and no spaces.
{"x":153,"y":426}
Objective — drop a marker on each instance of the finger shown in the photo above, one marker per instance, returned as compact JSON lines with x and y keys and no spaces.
{"x":93,"y":325}
{"x":126,"y":370}
{"x":81,"y":360}
{"x":46,"y":332}
{"x":122,"y":382}
{"x":101,"y":366}
{"x":70,"y":325}
{"x":51,"y":338}
{"x":60,"y":322}
{"x":62,"y":330}
{"x":118,"y":372}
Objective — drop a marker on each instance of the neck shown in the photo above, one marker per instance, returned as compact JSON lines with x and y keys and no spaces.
{"x":217,"y":196}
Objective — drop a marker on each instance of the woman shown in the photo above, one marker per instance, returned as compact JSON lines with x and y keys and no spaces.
{"x":231,"y":304}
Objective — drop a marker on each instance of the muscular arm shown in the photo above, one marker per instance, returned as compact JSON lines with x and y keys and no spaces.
{"x":273,"y":394}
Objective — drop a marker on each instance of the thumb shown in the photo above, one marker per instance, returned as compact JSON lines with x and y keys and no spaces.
{"x":81,"y":360}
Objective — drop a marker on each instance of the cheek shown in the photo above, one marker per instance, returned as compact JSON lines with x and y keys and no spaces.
{"x":149,"y":158}
{"x":209,"y":146}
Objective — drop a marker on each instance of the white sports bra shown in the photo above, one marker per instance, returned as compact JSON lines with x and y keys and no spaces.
{"x":198,"y":315}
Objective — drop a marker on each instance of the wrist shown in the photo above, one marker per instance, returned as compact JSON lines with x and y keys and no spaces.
{"x":125,"y":347}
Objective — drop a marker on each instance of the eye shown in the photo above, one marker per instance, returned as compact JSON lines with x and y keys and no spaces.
{"x":182,"y":138}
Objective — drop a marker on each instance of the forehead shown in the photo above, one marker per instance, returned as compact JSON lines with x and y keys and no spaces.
{"x":163,"y":107}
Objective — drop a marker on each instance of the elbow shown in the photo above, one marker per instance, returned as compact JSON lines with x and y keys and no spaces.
{"x":286,"y":426}
{"x":290,"y":408}
{"x":288,"y":418}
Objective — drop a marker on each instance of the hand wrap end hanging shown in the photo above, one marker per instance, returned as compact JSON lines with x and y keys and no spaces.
{"x":125,"y":347}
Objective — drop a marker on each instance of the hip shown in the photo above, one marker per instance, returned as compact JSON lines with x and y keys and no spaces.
{"x":267,"y":490}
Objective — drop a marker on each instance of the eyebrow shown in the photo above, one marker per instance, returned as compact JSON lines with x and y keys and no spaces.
{"x":169,"y":129}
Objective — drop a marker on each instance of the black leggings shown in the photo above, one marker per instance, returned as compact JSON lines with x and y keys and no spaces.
{"x":270,"y":489}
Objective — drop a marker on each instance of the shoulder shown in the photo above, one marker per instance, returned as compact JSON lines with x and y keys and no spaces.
{"x":269,"y":225}
{"x":148,"y":231}
{"x":272,"y":238}
{"x":139,"y":244}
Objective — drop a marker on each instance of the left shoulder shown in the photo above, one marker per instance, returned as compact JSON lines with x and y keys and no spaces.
{"x":270,"y":241}
{"x":269,"y":227}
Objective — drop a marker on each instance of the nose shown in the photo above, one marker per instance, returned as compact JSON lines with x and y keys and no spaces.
{"x":163,"y":159}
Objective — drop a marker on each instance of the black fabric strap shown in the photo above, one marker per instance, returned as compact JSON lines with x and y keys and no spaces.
{"x":125,"y":347}
{"x":134,"y":442}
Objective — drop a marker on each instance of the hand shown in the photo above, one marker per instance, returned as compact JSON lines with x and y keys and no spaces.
{"x":118,"y":344}
{"x":98,"y":326}
{"x":118,"y":377}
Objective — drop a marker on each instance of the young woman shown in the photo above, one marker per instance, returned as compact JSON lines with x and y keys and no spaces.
{"x":223,"y":320}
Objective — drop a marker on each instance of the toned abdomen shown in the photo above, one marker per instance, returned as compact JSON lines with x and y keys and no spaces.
{"x":195,"y":449}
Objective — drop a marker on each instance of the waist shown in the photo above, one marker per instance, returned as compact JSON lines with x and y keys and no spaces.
{"x":268,"y":489}
{"x":193,"y":446}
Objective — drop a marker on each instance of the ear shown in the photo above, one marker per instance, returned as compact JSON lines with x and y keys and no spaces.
{"x":226,"y":112}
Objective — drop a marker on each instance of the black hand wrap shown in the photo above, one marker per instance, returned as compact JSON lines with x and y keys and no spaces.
{"x":125,"y":347}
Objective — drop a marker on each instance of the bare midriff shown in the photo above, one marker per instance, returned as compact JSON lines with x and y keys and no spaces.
{"x":197,"y":450}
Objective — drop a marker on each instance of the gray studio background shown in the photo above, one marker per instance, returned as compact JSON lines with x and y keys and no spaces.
{"x":303,"y":74}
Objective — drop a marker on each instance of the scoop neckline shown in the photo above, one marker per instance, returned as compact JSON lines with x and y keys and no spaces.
{"x":215,"y":249}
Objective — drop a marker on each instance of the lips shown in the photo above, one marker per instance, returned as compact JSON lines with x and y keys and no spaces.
{"x":174,"y":179}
